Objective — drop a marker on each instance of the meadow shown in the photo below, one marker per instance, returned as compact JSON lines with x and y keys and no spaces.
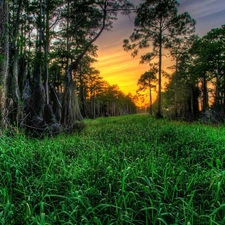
{"x":119,"y":170}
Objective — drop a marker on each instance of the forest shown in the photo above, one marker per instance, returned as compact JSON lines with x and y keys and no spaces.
{"x":70,"y":150}
{"x":49,"y":84}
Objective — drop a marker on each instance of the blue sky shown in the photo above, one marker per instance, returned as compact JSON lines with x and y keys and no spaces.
{"x":207,"y":13}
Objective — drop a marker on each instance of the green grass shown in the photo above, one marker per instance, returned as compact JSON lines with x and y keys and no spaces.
{"x":118,"y":170}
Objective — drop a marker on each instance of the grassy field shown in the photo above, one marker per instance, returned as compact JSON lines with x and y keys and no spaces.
{"x":119,"y":170}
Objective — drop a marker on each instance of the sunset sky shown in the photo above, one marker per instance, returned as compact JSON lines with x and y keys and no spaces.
{"x":118,"y":67}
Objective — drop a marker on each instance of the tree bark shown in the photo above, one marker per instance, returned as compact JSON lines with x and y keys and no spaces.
{"x":13,"y":111}
{"x":150,"y":98}
{"x":4,"y":63}
{"x":175,"y":91}
{"x":205,"y":94}
{"x":47,"y":53}
{"x":159,"y":113}
{"x":71,"y":110}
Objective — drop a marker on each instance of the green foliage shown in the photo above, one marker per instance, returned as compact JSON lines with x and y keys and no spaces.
{"x":156,"y":23}
{"x":208,"y":65}
{"x":147,"y":78}
{"x":118,"y":170}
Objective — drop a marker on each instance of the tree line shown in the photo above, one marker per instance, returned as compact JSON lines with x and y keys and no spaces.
{"x":47,"y":48}
{"x":196,"y":87}
{"x":46,"y":54}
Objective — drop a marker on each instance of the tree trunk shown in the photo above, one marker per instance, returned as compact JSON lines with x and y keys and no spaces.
{"x":81,"y":93}
{"x":71,"y":114}
{"x":4,"y":59}
{"x":13,"y":110}
{"x":70,"y":100}
{"x":175,"y":91}
{"x":94,"y":116}
{"x":150,"y":99}
{"x":47,"y":53}
{"x":192,"y":102}
{"x":205,"y":94}
{"x":159,"y":113}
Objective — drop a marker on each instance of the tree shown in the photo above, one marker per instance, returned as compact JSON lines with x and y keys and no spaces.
{"x":208,"y":67}
{"x":156,"y":22}
{"x":179,"y":47}
{"x":114,"y":102}
{"x":4,"y":57}
{"x":91,"y":18}
{"x":184,"y":87}
{"x":148,"y":80}
{"x":34,"y":57}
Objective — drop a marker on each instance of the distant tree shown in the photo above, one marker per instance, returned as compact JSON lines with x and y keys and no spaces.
{"x":148,"y":81}
{"x":156,"y":22}
{"x":115,"y":102}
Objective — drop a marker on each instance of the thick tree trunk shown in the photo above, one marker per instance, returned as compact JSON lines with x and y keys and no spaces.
{"x":71,"y":115}
{"x":4,"y":59}
{"x":12,"y":107}
{"x":192,"y":102}
{"x":13,"y":93}
{"x":71,"y":111}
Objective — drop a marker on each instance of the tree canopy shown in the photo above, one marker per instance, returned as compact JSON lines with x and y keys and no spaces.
{"x":47,"y":48}
{"x":156,"y":23}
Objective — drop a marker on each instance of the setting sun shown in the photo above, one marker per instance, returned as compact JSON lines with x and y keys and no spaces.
{"x":119,"y":67}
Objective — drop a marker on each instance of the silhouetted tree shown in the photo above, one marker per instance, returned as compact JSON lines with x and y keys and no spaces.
{"x":156,"y":22}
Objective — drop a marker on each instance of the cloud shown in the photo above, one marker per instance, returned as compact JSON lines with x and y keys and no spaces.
{"x":118,"y":67}
{"x":202,"y":8}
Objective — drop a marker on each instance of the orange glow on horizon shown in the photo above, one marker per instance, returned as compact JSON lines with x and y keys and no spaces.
{"x":118,"y":67}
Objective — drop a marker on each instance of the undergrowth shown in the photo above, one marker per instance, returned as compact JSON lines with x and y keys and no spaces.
{"x":118,"y":170}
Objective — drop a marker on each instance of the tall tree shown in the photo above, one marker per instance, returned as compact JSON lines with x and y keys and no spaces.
{"x":4,"y":57}
{"x":90,"y":19}
{"x":156,"y":22}
{"x":179,"y":47}
{"x":13,"y":97}
{"x":27,"y":52}
{"x":208,"y":66}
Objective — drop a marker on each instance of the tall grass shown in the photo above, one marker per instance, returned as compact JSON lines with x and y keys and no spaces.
{"x":119,"y":170}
